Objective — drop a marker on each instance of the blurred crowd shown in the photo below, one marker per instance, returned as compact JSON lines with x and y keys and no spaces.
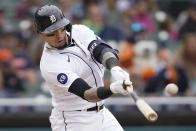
{"x":155,"y":47}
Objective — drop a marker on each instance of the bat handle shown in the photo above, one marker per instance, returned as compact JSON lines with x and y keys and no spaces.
{"x":128,"y":88}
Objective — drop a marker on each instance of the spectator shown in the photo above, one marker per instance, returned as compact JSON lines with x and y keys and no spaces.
{"x":143,"y":16}
{"x":140,"y":61}
{"x":128,"y":11}
{"x":22,"y":8}
{"x":4,"y":22}
{"x":20,"y":67}
{"x":10,"y":83}
{"x":112,"y":15}
{"x":139,"y":33}
{"x":26,"y":29}
{"x":168,"y":72}
{"x":169,"y":26}
{"x":72,"y":9}
{"x":95,"y":21}
{"x":189,"y":25}
{"x":126,"y":55}
{"x":186,"y":59}
{"x":167,"y":34}
{"x":67,"y":7}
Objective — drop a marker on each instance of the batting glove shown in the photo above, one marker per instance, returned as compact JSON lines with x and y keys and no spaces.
{"x":121,"y":86}
{"x":119,"y":74}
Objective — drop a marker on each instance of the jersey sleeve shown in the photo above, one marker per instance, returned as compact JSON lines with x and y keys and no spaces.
{"x":58,"y":74}
{"x":61,"y":79}
{"x":84,"y":34}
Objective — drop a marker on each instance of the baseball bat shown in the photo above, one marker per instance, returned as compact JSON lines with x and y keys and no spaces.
{"x":146,"y":110}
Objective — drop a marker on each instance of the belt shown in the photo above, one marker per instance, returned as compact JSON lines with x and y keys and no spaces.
{"x":95,"y":108}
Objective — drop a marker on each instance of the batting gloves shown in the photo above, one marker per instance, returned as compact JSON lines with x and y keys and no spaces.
{"x":118,"y":74}
{"x":121,"y":86}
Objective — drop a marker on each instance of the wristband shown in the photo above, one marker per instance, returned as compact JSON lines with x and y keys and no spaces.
{"x":104,"y":92}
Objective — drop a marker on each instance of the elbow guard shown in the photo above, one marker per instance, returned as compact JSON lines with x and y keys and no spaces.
{"x":98,"y":48}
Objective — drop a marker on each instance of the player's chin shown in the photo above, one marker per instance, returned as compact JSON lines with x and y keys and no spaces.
{"x":59,"y":45}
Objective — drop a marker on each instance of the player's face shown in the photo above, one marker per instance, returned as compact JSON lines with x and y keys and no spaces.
{"x":57,"y":38}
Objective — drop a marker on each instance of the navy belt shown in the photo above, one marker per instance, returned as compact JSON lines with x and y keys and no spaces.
{"x":95,"y":108}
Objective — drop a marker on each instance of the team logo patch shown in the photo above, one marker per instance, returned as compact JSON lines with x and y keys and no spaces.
{"x":52,"y":18}
{"x":62,"y":78}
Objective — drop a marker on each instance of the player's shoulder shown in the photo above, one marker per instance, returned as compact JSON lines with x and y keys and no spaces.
{"x":53,"y":60}
{"x":83,"y":33}
{"x":80,"y":27}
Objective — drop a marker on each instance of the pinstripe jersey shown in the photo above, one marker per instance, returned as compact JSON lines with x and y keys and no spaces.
{"x":60,"y":68}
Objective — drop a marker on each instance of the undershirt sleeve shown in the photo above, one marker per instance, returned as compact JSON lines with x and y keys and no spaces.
{"x":78,"y":87}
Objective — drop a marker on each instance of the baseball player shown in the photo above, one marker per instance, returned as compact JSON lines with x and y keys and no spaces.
{"x":72,"y":65}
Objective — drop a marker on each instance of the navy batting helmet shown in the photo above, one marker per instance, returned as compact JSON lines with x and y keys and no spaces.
{"x":49,"y":18}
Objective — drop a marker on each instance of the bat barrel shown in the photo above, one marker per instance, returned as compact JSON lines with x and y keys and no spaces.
{"x":152,"y":117}
{"x":146,"y":110}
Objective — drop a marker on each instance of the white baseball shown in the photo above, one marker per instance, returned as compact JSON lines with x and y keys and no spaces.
{"x":171,"y":89}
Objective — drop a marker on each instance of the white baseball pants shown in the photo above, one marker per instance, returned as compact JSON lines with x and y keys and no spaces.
{"x":84,"y":121}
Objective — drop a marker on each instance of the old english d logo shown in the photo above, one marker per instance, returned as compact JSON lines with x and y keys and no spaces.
{"x":52,"y":18}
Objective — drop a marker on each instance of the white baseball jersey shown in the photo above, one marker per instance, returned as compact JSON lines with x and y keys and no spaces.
{"x":61,"y":67}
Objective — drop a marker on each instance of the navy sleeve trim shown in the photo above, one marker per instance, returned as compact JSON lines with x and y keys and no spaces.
{"x":101,"y":49}
{"x":78,"y":87}
{"x":94,"y":44}
{"x":97,"y":49}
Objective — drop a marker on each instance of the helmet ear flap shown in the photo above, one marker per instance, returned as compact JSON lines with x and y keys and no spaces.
{"x":68,"y":27}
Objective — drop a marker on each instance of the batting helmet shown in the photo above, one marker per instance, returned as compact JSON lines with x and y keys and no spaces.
{"x":49,"y":18}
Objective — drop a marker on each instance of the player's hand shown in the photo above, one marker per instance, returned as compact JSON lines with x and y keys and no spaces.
{"x":121,"y":86}
{"x":118,"y":74}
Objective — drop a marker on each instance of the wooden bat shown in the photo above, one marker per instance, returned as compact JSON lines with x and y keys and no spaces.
{"x":146,"y":110}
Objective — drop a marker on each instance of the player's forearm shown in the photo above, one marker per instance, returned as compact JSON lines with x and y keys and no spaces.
{"x":91,"y":95}
{"x":80,"y":88}
{"x":97,"y":94}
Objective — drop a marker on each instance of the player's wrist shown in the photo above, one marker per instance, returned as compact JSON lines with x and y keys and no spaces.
{"x":104,"y":92}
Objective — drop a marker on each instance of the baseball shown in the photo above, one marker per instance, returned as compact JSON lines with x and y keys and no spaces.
{"x":171,"y":89}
